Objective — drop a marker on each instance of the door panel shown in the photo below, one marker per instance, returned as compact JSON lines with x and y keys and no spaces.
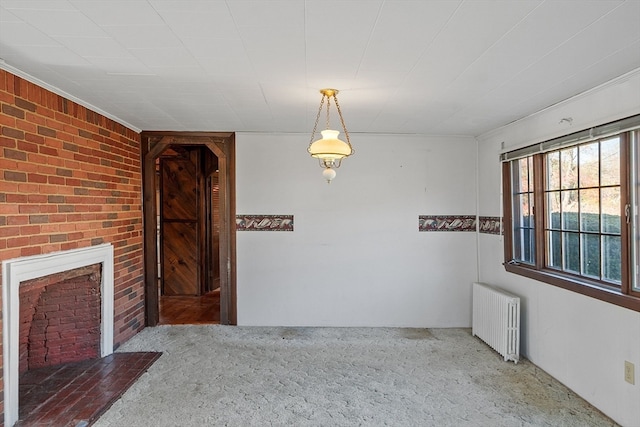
{"x":180,"y":260}
{"x":180,"y":223}
{"x":179,"y":188}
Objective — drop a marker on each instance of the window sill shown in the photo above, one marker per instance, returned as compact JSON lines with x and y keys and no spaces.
{"x":602,"y":293}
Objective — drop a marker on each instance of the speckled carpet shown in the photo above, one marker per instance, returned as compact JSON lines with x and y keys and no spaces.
{"x":213,"y":375}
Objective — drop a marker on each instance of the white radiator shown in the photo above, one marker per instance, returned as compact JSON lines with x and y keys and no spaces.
{"x":496,"y":320}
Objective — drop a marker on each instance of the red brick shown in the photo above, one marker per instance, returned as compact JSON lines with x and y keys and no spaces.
{"x":7,"y":142}
{"x":36,"y":158}
{"x":31,"y":250}
{"x":17,"y":198}
{"x":69,"y":245}
{"x":25,"y":105}
{"x":35,"y":118}
{"x":26,"y":126}
{"x":49,"y":151}
{"x":15,"y":176}
{"x":56,"y":238}
{"x":28,"y":146}
{"x":41,"y":179}
{"x":29,"y":230}
{"x":27,"y":167}
{"x":9,"y":231}
{"x":38,"y":219}
{"x":12,"y":133}
{"x":7,"y":164}
{"x":29,"y":209}
{"x":15,"y":154}
{"x":56,"y":180}
{"x":39,"y":239}
{"x":18,"y":220}
{"x":17,"y":242}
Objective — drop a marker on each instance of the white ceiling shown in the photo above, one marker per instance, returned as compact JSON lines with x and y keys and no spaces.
{"x":427,"y":67}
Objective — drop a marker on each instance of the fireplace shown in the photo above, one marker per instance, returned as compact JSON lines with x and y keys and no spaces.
{"x":17,"y":271}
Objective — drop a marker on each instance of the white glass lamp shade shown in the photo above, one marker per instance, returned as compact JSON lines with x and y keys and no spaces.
{"x":329,"y":147}
{"x":328,"y":174}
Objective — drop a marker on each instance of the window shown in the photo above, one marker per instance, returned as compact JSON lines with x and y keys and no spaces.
{"x":571,"y":216}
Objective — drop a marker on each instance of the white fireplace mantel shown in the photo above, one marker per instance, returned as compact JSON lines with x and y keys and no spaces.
{"x":15,"y":271}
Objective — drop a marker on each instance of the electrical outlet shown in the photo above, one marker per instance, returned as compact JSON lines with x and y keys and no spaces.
{"x":629,"y":372}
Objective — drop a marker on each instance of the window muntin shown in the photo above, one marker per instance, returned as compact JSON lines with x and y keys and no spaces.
{"x":583,"y":223}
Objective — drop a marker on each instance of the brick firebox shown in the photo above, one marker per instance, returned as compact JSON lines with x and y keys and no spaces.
{"x":60,"y":318}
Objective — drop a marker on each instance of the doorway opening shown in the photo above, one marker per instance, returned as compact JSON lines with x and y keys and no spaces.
{"x":189,"y":214}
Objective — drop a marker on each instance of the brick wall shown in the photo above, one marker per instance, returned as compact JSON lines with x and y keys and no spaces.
{"x":70,"y":178}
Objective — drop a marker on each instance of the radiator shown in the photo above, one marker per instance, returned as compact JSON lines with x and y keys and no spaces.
{"x":496,"y":320}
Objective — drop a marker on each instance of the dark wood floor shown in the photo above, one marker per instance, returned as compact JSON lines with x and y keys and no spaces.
{"x":181,"y":310}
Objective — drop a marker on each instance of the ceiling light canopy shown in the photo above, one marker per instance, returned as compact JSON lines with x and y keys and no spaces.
{"x":329,"y":150}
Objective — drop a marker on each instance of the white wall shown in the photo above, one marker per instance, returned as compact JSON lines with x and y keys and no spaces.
{"x":581,"y":341}
{"x":356,"y":257}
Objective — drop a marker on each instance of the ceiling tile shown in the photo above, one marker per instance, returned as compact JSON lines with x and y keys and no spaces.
{"x":143,"y":37}
{"x":59,"y":22}
{"x":107,"y":13}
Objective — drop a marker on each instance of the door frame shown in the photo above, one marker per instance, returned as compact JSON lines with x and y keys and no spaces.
{"x":222,"y":144}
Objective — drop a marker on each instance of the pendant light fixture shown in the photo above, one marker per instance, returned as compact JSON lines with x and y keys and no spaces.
{"x":329,"y":150}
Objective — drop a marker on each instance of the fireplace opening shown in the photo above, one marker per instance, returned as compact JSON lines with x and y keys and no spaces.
{"x":60,"y":318}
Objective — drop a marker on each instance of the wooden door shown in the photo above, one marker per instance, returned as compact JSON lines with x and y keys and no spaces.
{"x":180,"y":223}
{"x":155,"y":144}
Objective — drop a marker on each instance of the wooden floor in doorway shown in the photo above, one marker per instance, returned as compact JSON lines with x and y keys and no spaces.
{"x":190,"y":310}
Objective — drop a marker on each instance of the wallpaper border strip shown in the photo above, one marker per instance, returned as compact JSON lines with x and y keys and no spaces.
{"x":261,"y":222}
{"x":455,"y":223}
{"x":490,"y":225}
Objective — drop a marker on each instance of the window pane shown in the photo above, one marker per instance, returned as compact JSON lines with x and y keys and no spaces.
{"x":516,"y":177}
{"x":589,"y":166}
{"x":522,"y":211}
{"x":553,"y":171}
{"x":524,"y":253}
{"x":517,"y":211}
{"x":531,"y":254}
{"x":610,"y":162}
{"x":553,"y":210}
{"x":523,"y":176}
{"x":524,"y":245}
{"x":571,"y":252}
{"x":610,"y":199}
{"x":591,"y":255}
{"x":635,"y":201}
{"x":530,"y":168}
{"x":569,"y":168}
{"x":569,"y":210}
{"x":611,"y":260}
{"x":554,"y":255}
{"x":517,"y":243}
{"x":590,"y":210}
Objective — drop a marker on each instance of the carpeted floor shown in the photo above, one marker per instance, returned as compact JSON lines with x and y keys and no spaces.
{"x":212,"y":375}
